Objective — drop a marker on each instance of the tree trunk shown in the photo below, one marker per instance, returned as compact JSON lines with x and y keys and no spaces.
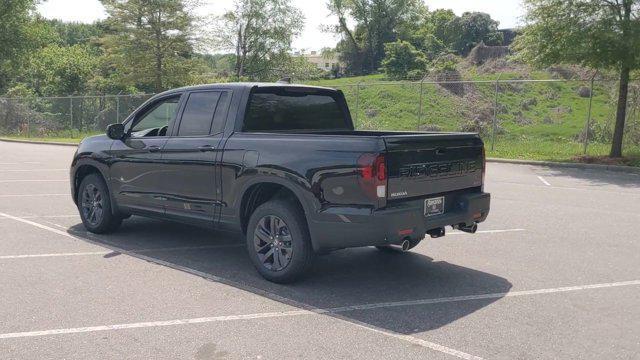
{"x":238,"y":54}
{"x":621,"y":114}
{"x":158,"y":79}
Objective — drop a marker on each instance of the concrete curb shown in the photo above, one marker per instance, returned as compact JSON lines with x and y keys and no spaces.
{"x":38,"y":142}
{"x":617,"y":168}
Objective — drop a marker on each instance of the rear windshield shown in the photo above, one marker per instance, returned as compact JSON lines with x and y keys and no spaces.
{"x":293,"y":109}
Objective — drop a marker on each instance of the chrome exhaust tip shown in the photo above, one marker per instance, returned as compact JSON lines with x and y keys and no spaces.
{"x":404,"y":246}
{"x":471,"y":229}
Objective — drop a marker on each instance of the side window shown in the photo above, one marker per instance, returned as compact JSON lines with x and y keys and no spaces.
{"x":156,"y":120}
{"x":197,"y":118}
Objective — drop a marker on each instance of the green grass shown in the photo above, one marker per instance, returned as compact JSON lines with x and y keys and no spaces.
{"x":536,"y":120}
{"x":68,"y":136}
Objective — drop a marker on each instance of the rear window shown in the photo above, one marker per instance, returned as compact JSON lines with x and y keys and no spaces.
{"x":287,"y":109}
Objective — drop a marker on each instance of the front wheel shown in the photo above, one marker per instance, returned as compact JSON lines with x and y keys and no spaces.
{"x":94,"y":205}
{"x":278,"y":241}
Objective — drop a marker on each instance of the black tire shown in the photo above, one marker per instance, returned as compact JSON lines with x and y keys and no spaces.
{"x":288,"y":240}
{"x":94,"y":205}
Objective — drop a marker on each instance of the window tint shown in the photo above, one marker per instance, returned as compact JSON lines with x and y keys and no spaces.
{"x":158,"y":116}
{"x":293,"y":110}
{"x":198,"y":114}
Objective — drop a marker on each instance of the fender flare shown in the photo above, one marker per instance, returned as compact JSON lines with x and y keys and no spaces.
{"x":102,"y":170}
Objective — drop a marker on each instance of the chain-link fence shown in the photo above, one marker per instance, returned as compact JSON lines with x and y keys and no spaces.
{"x":64,"y":117}
{"x":540,"y":119}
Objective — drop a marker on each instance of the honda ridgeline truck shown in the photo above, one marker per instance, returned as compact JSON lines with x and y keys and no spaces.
{"x":283,"y":165}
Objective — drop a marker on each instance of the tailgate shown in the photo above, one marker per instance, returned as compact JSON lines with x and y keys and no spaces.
{"x":428,"y":164}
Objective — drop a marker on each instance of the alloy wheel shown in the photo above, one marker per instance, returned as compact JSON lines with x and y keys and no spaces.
{"x":92,"y":204}
{"x":272,"y":242}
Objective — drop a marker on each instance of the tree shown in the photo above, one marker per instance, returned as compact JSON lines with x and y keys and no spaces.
{"x":57,"y":70}
{"x":473,"y":28}
{"x":260,"y":32}
{"x":443,"y":32}
{"x":377,"y":22}
{"x":73,"y":33}
{"x":150,"y":42}
{"x":16,"y":36}
{"x":402,"y":59}
{"x":592,"y":33}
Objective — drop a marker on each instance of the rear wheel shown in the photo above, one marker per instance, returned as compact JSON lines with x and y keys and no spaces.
{"x":278,"y":241}
{"x":94,"y":205}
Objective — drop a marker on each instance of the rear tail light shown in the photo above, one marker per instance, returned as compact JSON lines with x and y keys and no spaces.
{"x":373,"y":176}
{"x":484,"y":165}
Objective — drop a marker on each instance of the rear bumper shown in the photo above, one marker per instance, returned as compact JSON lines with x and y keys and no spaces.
{"x":343,"y":227}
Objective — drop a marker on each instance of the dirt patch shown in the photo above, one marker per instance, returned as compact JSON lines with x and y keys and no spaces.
{"x":603,"y":160}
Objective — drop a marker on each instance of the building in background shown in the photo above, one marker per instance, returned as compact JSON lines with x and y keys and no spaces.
{"x":326,"y":61}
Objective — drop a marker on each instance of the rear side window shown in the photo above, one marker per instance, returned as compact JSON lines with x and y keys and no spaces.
{"x":281,"y":109}
{"x":197,"y":118}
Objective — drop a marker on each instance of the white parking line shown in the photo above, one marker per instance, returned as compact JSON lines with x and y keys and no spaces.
{"x":31,"y":195}
{"x":44,"y":217}
{"x":336,"y":310}
{"x":7,"y":257}
{"x":486,"y":231}
{"x":543,"y":180}
{"x":31,"y":170}
{"x":18,"y":163}
{"x":31,"y":180}
{"x":92,"y":253}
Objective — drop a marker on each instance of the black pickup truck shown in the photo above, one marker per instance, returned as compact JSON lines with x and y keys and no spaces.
{"x":283,"y":165}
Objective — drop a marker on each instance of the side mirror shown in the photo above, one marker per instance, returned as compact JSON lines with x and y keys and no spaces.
{"x":115,"y":131}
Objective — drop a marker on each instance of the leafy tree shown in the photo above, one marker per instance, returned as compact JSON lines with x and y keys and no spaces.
{"x":16,"y":36}
{"x":61,"y":70}
{"x":443,"y":32}
{"x":472,"y":28}
{"x":73,"y":33}
{"x":260,"y":33}
{"x":377,"y":22}
{"x":149,"y":43}
{"x":593,"y":33}
{"x":401,"y":59}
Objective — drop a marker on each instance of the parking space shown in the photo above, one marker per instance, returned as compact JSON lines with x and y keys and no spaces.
{"x":553,"y":273}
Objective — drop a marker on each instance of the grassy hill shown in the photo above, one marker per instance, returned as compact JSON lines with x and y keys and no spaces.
{"x":542,"y":120}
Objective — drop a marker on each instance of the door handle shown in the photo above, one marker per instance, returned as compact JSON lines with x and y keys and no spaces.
{"x":153,"y":148}
{"x":205,"y":148}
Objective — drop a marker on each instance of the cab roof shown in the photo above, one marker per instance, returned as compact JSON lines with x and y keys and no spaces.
{"x":241,"y":86}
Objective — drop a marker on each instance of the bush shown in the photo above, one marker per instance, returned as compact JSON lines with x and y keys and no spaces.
{"x":402,"y":59}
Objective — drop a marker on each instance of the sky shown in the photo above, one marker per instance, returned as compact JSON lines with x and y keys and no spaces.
{"x":507,"y":12}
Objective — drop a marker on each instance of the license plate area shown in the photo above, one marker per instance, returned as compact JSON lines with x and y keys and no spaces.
{"x":434,"y":206}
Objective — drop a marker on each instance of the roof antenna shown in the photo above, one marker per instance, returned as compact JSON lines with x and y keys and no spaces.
{"x":285,"y":80}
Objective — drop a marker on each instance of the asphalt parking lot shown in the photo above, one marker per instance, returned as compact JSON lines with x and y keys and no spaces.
{"x":553,"y":273}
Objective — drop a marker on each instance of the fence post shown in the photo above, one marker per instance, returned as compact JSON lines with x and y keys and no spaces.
{"x":118,"y":109}
{"x":71,"y":111}
{"x":495,"y":114}
{"x":421,"y":96}
{"x":357,"y":102}
{"x":588,"y":124}
{"x":28,"y":126}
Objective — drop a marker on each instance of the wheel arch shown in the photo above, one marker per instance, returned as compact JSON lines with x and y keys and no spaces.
{"x":86,"y":168}
{"x":260,"y":191}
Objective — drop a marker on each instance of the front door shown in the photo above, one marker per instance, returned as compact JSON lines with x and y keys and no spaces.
{"x":191,"y":156}
{"x":136,"y":171}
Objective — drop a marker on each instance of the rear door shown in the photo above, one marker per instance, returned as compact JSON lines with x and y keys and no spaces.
{"x":192,"y":154}
{"x":429,"y":164}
